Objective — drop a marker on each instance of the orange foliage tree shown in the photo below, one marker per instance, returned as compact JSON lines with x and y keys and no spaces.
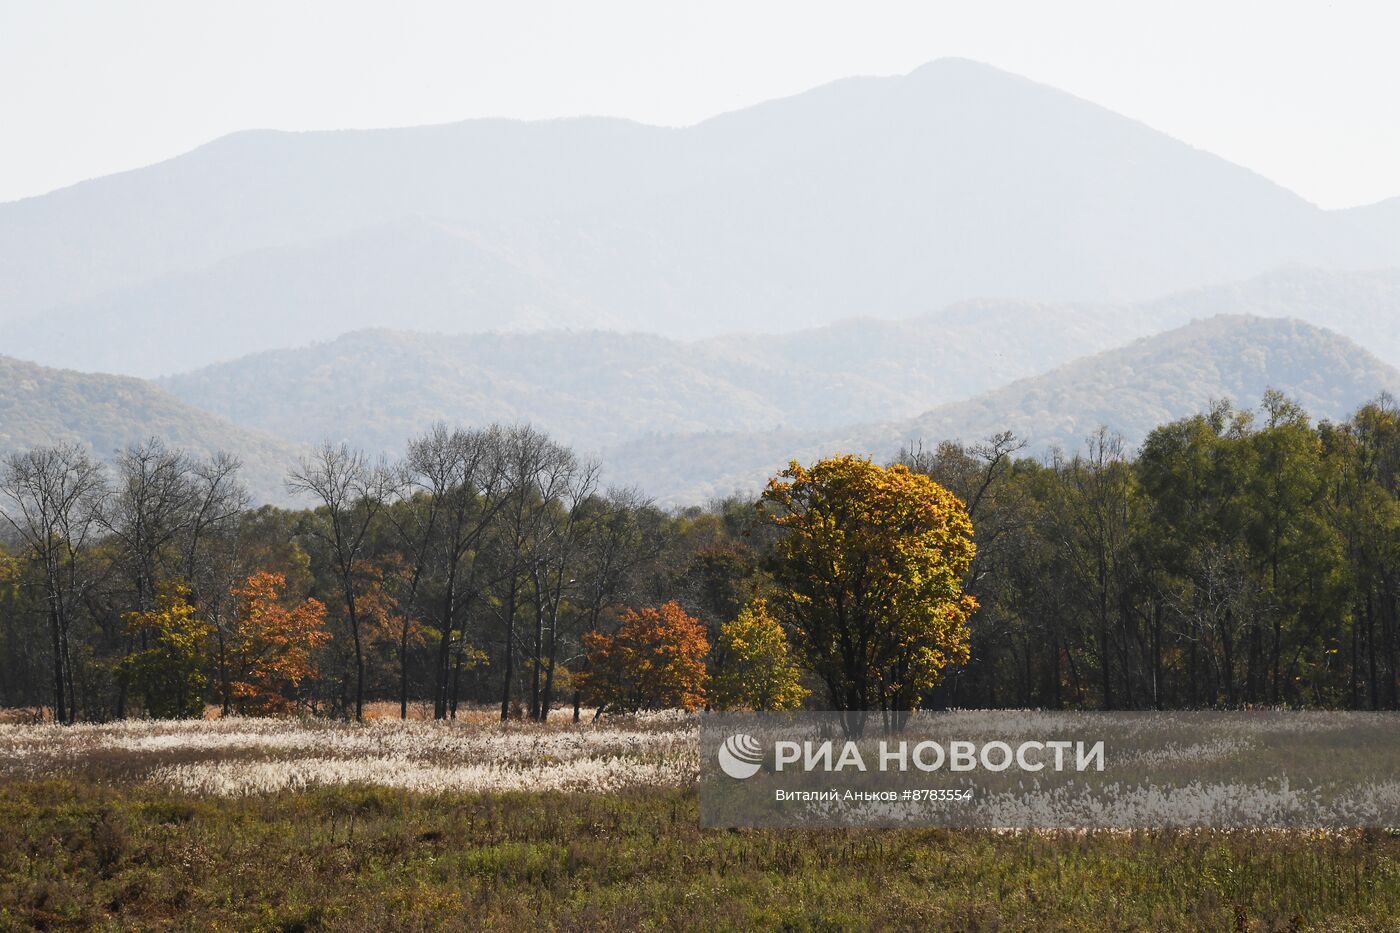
{"x":271,"y":644}
{"x":382,"y":586}
{"x":655,"y":661}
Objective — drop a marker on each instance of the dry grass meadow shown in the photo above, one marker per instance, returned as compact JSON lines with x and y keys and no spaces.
{"x":253,"y":824}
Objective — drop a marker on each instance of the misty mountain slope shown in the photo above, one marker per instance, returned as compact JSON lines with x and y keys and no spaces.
{"x":969,"y":347}
{"x":1130,"y":390}
{"x":1363,"y":306}
{"x":264,"y":189}
{"x":1380,"y":221}
{"x":107,"y":413}
{"x":1161,"y":378}
{"x":374,"y":388}
{"x":884,"y":197}
{"x":415,"y":268}
{"x":960,"y":181}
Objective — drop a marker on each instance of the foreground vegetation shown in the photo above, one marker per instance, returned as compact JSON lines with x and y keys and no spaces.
{"x":238,"y":756}
{"x":482,"y":824}
{"x":83,"y":854}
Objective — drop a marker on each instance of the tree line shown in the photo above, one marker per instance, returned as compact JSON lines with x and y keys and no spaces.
{"x":469,"y":570}
{"x":1238,"y":558}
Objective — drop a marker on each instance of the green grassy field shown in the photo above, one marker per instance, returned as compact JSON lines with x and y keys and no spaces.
{"x":77,"y":854}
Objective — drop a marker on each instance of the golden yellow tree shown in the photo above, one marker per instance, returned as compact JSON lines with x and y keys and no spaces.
{"x":870,"y":562}
{"x":168,"y":673}
{"x":755,"y":668}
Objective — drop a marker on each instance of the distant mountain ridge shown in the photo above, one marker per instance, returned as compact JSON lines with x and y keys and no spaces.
{"x":1129,"y":390}
{"x":41,"y":406}
{"x":884,"y":197}
{"x":596,"y":389}
{"x":616,"y":404}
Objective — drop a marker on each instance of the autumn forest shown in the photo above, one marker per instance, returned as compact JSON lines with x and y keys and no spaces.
{"x":1241,"y":557}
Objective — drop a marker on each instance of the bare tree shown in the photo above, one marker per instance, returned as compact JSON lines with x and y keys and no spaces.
{"x":555,"y":571}
{"x":214,"y":564}
{"x":218,"y":501}
{"x":352,"y":492}
{"x":53,"y":495}
{"x":460,"y":474}
{"x":536,"y":471}
{"x":613,"y":547}
{"x":154,"y":507}
{"x":979,"y":476}
{"x":166,"y":511}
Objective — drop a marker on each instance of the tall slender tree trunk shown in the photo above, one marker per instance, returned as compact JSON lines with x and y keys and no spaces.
{"x":457,"y":678}
{"x":222,"y":643}
{"x":72,"y":691}
{"x":551,"y":662}
{"x":1355,"y":701}
{"x":509,"y":671}
{"x":1388,"y":632}
{"x":403,"y":669}
{"x":1192,"y":689}
{"x":449,"y":615}
{"x":441,"y":667}
{"x":537,"y":653}
{"x":1105,"y":669}
{"x":359,"y":679}
{"x":359,"y":649}
{"x":60,"y":706}
{"x":1371,"y":652}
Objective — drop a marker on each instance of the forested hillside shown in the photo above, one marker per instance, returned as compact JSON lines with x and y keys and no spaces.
{"x":661,"y":415}
{"x":590,"y":388}
{"x":1158,"y":379}
{"x":1128,"y":390}
{"x":106,"y":414}
{"x":597,"y":389}
{"x":886,"y":197}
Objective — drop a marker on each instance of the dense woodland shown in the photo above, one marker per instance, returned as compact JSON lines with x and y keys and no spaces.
{"x":1239,"y":558}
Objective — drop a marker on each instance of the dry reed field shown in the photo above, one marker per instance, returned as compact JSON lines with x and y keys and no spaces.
{"x":259,"y":824}
{"x":474,"y":753}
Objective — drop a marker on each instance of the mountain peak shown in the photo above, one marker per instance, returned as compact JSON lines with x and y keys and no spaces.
{"x":883,"y":196}
{"x":957,"y":67}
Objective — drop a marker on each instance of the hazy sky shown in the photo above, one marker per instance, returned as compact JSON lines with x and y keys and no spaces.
{"x":1302,"y":92}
